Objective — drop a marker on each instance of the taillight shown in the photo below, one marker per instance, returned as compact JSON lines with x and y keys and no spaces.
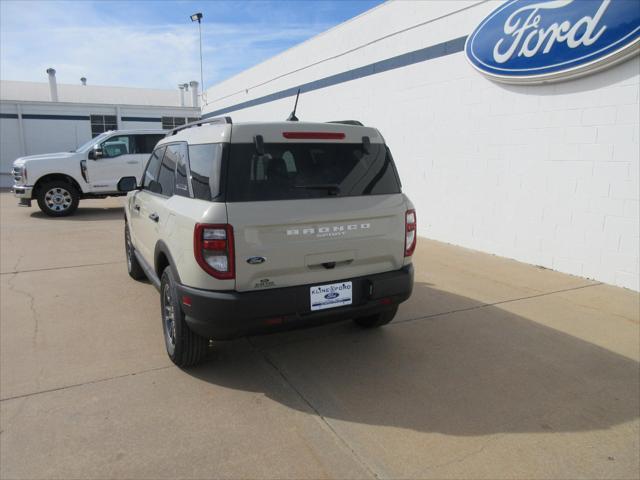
{"x":410,"y":233}
{"x":313,"y":135}
{"x":213,"y":249}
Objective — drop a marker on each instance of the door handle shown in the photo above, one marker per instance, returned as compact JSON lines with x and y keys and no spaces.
{"x":132,"y":162}
{"x":136,"y":207}
{"x":154,"y":216}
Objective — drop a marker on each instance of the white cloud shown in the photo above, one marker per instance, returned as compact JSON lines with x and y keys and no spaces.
{"x":79,"y":39}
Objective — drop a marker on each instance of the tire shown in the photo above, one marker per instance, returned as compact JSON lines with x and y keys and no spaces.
{"x":133,"y":266}
{"x":184,"y":347}
{"x":58,"y":198}
{"x":377,"y":320}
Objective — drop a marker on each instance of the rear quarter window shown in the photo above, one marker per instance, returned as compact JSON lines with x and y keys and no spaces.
{"x":204,"y":162}
{"x":289,"y":171}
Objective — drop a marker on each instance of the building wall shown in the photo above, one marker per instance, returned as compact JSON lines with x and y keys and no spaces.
{"x":39,"y":92}
{"x":32,"y":128}
{"x":544,"y":174}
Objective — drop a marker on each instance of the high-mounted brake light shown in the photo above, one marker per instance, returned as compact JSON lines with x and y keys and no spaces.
{"x":213,"y":249}
{"x":313,"y":135}
{"x":410,"y":237}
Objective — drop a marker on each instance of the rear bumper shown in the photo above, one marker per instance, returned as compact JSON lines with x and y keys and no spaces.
{"x":224,"y":315}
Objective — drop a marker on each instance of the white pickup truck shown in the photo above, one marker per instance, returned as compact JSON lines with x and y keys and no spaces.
{"x":57,"y":181}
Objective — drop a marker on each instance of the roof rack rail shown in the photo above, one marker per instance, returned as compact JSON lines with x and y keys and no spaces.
{"x":198,"y":123}
{"x":348,"y":122}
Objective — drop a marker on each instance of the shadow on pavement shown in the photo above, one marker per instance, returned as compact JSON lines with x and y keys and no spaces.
{"x":475,"y":372}
{"x":84,"y":214}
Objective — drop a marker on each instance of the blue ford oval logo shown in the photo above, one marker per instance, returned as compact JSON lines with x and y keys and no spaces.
{"x":256,"y":260}
{"x":535,"y":41}
{"x":332,"y":295}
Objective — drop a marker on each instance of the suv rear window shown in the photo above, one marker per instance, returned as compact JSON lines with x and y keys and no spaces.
{"x":289,"y":171}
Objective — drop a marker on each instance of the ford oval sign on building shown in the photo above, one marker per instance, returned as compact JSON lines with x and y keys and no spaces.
{"x":537,"y":41}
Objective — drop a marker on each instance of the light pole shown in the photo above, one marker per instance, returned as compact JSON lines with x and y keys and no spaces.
{"x":197,"y":17}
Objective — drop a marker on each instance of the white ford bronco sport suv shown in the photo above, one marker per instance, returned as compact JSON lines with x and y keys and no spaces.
{"x":250,"y":228}
{"x":59,"y":180}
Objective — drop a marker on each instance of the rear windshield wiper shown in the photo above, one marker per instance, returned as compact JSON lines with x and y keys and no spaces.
{"x":331,"y":188}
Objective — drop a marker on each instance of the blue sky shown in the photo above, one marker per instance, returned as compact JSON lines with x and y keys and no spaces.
{"x":153,"y":43}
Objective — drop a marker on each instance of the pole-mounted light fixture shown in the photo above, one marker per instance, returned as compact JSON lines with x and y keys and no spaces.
{"x":197,"y":17}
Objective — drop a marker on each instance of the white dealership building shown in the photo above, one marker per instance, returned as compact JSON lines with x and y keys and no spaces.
{"x":543,"y":172}
{"x":46,"y":117}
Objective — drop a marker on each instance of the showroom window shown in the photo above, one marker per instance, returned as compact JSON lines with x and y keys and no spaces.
{"x":172,"y":122}
{"x":102,"y":123}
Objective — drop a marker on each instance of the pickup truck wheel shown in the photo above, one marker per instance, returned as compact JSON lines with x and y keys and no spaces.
{"x":184,"y":347}
{"x":133,"y":266}
{"x":377,"y":320}
{"x":58,"y":199}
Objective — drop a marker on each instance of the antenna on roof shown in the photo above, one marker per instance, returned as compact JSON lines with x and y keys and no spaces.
{"x":292,"y":117}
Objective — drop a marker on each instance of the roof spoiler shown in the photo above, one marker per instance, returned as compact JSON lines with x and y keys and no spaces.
{"x":348,"y":122}
{"x":199,"y":123}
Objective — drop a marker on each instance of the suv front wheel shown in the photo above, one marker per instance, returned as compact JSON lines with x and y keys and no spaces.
{"x":184,"y":347}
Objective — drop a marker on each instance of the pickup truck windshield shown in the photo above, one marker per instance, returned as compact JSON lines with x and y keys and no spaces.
{"x":87,"y":145}
{"x":289,"y":171}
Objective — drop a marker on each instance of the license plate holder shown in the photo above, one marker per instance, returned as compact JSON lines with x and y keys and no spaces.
{"x":333,"y":295}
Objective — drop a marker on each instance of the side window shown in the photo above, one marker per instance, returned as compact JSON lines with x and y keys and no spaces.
{"x":167,"y":174}
{"x":150,"y":177}
{"x":144,"y":144}
{"x":204,"y":163}
{"x":182,"y":180}
{"x":116,"y":146}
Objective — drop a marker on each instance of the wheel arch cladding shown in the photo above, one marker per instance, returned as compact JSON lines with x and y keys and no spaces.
{"x":163,"y":259}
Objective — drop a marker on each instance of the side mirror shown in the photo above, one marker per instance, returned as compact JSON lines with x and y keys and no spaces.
{"x":96,"y":153}
{"x":127,"y":184}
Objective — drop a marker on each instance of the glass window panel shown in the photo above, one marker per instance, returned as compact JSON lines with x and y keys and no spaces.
{"x":151,"y":172}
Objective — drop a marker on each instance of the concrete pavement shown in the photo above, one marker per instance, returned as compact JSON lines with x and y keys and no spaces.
{"x":493,"y":369}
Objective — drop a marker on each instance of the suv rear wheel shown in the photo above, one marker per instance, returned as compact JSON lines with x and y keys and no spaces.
{"x":184,"y":347}
{"x":377,"y":320}
{"x":133,"y":266}
{"x":58,"y":198}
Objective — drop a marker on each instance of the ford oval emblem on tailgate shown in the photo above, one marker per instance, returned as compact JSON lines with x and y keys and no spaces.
{"x":256,"y":260}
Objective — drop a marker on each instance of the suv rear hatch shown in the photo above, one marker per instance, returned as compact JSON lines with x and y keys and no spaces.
{"x":312,"y":204}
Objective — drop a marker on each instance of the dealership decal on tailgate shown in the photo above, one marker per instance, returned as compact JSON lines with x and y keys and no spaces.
{"x":330,"y":296}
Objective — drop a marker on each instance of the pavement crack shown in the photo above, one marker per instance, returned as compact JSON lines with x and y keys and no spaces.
{"x":465,"y":457}
{"x":322,"y":418}
{"x":82,"y":265}
{"x":18,"y":260}
{"x":89,"y":382}
{"x":493,"y":304}
{"x":32,"y":308}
